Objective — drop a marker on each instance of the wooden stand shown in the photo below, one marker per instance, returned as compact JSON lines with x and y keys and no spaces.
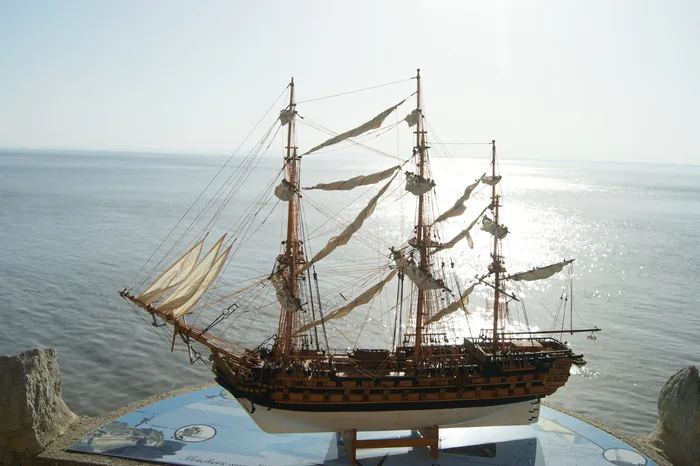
{"x":429,"y":438}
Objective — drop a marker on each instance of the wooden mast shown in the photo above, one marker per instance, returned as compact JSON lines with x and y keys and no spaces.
{"x":420,"y":233}
{"x":292,"y":241}
{"x":496,"y":266}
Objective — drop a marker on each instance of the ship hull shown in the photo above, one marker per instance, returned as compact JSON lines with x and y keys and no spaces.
{"x":335,"y":395}
{"x":286,"y":421}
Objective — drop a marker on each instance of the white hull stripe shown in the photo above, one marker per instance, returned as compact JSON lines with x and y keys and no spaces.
{"x":273,"y":420}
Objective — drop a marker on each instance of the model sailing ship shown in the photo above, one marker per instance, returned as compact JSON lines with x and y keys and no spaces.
{"x":294,"y":382}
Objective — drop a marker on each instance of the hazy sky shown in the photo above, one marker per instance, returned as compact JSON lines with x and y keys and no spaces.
{"x":586,"y":80}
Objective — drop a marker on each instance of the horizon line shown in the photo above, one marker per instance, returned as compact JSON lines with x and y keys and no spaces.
{"x":214,"y":153}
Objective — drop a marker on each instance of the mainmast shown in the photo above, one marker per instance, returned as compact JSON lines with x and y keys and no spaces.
{"x":289,"y":260}
{"x":496,"y":267}
{"x":421,"y":235}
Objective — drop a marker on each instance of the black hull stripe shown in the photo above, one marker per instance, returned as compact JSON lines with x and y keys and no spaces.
{"x":266,"y":402}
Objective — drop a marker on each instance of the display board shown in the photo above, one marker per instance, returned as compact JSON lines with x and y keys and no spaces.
{"x":209,"y":427}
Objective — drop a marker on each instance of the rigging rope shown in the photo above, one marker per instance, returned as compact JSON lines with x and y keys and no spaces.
{"x":319,"y":127}
{"x":200,"y":195}
{"x":354,"y":91}
{"x":461,"y":143}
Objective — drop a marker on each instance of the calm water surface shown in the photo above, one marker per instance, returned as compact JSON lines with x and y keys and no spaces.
{"x":74,"y":229}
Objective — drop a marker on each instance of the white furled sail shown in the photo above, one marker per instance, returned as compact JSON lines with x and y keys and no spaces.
{"x":173,"y":276}
{"x":540,"y":273}
{"x":192,"y":282}
{"x":451,"y":243}
{"x":364,"y":298}
{"x":421,"y":279}
{"x":374,"y":123}
{"x":455,"y":211}
{"x":286,"y":299}
{"x":490,"y":180}
{"x":352,"y":183}
{"x":284,"y":191}
{"x":204,"y":286}
{"x":458,"y":208}
{"x":343,"y":238}
{"x":460,"y":236}
{"x":457,"y":304}
{"x":417,"y":185}
{"x":286,"y":116}
{"x":489,"y":226}
{"x":412,"y":118}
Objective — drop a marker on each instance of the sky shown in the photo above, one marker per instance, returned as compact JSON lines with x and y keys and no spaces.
{"x":557,"y":80}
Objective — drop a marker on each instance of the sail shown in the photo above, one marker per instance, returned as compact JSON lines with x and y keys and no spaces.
{"x":421,"y":279}
{"x":173,"y":276}
{"x":343,"y":238}
{"x":457,"y":304}
{"x":417,"y":185}
{"x":460,"y":236}
{"x":490,"y":180}
{"x":458,"y":208}
{"x":285,"y":191}
{"x":204,"y":286}
{"x":356,"y":181}
{"x":489,"y":226}
{"x":540,"y":273}
{"x":412,"y":118}
{"x":286,"y":116}
{"x":454,"y":211}
{"x":364,"y":298}
{"x":286,"y":299}
{"x":192,"y":282}
{"x":374,"y":123}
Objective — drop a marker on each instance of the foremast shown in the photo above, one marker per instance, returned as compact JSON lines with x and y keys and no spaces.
{"x":422,"y":235}
{"x":496,"y":267}
{"x":290,"y":260}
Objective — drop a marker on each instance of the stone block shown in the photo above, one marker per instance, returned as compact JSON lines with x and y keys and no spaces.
{"x":32,"y":412}
{"x":677,"y":431}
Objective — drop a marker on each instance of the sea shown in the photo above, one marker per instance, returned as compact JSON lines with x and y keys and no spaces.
{"x":77,"y":226}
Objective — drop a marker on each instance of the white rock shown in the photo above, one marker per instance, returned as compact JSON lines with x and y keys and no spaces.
{"x":677,"y":431}
{"x":32,"y":412}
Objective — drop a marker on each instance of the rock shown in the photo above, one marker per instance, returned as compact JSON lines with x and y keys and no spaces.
{"x":677,"y":431}
{"x":32,"y":412}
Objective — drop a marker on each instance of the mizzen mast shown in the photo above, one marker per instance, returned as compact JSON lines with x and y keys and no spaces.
{"x":421,"y":236}
{"x":289,"y":260}
{"x":496,"y":267}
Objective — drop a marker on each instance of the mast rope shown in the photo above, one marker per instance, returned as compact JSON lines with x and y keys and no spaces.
{"x":201,"y":194}
{"x":355,"y":91}
{"x":333,"y":217}
{"x":246,"y":224}
{"x":351,"y":286}
{"x":441,"y":149}
{"x":232,"y":190}
{"x":155,"y":329}
{"x":253,"y":295}
{"x":236,"y":185}
{"x":363,"y":236}
{"x":210,"y":303}
{"x":359,"y":141}
{"x":396,"y":314}
{"x":320,"y":310}
{"x":461,"y":143}
{"x":251,"y":212}
{"x":248,"y":217}
{"x":244,"y":169}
